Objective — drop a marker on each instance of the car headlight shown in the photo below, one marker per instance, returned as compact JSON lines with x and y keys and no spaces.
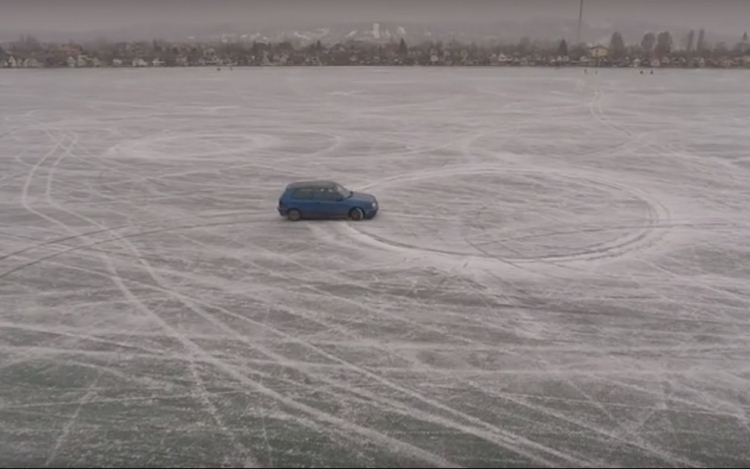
{"x":374,"y":205}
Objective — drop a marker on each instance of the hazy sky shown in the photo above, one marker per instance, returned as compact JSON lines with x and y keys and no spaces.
{"x":83,"y":15}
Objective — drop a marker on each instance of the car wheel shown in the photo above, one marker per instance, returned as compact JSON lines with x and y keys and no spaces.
{"x":294,"y":215}
{"x":356,"y":214}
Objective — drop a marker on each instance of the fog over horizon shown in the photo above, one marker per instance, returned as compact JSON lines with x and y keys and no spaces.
{"x":81,"y":16}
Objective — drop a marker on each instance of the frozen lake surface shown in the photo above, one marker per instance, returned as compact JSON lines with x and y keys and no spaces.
{"x":559,"y":274}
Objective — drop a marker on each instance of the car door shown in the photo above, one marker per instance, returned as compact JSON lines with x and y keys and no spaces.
{"x":303,"y":199}
{"x":329,"y":204}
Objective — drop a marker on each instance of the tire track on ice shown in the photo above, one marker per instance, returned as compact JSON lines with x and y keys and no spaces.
{"x":598,"y":113}
{"x":192,"y":302}
{"x":686,"y":402}
{"x":619,"y":438}
{"x":74,"y":335}
{"x":115,"y":239}
{"x":484,"y":431}
{"x":107,"y":260}
{"x":397,"y":445}
{"x":25,"y":354}
{"x":508,"y":441}
{"x":490,"y":433}
{"x":262,"y":414}
{"x":91,"y":391}
{"x":320,"y":415}
{"x":320,"y":273}
{"x":61,"y":240}
{"x":203,"y":396}
{"x":658,"y":215}
{"x":408,"y":410}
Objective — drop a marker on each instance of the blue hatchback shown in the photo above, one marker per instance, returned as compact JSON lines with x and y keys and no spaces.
{"x":325,"y":200}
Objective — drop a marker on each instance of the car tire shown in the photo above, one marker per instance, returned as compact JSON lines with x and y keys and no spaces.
{"x":356,"y":214}
{"x":294,"y":215}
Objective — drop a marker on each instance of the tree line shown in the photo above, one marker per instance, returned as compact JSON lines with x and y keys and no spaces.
{"x":294,"y":52}
{"x":662,"y":44}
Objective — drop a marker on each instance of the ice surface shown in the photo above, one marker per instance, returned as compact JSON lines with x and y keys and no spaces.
{"x":559,"y":276}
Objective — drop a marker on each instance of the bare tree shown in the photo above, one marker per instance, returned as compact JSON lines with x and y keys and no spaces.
{"x":690,"y":41}
{"x":664,"y":43}
{"x":702,"y":45}
{"x":403,"y":50}
{"x":721,"y":49}
{"x":742,"y":47}
{"x":524,"y":45}
{"x":578,"y":51}
{"x":26,"y":45}
{"x":647,"y":43}
{"x":617,"y":46}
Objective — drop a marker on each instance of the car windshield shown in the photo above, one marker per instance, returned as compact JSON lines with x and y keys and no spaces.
{"x":345,"y":193}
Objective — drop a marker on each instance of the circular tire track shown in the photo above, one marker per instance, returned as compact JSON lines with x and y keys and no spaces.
{"x":639,"y":235}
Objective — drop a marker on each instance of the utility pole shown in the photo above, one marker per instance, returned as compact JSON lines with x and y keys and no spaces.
{"x":580,"y":21}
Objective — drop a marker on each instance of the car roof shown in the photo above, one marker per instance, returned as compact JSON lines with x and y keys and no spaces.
{"x":312,"y":184}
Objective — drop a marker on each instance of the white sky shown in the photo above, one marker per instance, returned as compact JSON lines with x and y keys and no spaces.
{"x":731,"y":16}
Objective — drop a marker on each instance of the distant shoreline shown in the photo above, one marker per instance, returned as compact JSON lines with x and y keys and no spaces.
{"x":493,"y":67}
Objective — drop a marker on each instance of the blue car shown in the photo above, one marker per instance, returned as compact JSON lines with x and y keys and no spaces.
{"x":325,"y":200}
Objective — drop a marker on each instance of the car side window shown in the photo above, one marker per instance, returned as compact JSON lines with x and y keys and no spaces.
{"x":303,"y":194}
{"x":327,"y":194}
